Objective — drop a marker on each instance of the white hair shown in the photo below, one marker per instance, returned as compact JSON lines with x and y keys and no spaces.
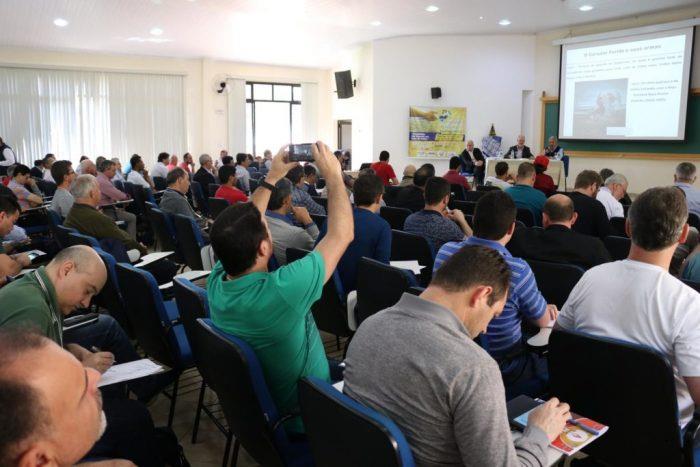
{"x":83,"y":186}
{"x":204,"y":158}
{"x":615,"y":178}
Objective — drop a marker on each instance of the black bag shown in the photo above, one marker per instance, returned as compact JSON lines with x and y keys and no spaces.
{"x":170,"y":450}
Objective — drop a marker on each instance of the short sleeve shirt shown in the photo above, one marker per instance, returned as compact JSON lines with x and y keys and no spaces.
{"x":385,"y":171}
{"x":271,"y":312}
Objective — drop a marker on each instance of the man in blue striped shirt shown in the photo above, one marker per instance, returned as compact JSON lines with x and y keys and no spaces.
{"x":523,"y":372}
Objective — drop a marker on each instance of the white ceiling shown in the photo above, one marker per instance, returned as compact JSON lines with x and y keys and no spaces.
{"x":285,"y":32}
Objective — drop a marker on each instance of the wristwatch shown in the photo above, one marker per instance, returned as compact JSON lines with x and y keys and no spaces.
{"x":264,"y":184}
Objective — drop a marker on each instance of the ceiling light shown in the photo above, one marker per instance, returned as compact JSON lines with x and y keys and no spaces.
{"x":156,"y":31}
{"x":431,"y":8}
{"x":481,"y":17}
{"x":585,"y":7}
{"x":60,"y":22}
{"x":375,"y":23}
{"x":504,"y":22}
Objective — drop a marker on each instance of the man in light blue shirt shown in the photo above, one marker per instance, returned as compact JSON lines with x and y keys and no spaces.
{"x":684,"y":178}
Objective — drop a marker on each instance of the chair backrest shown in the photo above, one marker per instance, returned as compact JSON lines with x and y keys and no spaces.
{"x":394,"y":216}
{"x":140,"y":197}
{"x":694,"y":220}
{"x":110,"y":297}
{"x":217,"y":206}
{"x":467,"y":207}
{"x":555,"y":280}
{"x":617,"y":226}
{"x":46,"y":187}
{"x":192,"y":304}
{"x":199,"y":199}
{"x":379,"y":286}
{"x":407,"y":246}
{"x":473,"y":195}
{"x":618,"y":247}
{"x":457,"y":192}
{"x":145,"y":309}
{"x":190,"y":240}
{"x":164,"y":230}
{"x":160,"y":183}
{"x":626,"y":386}
{"x":61,"y":236}
{"x":232,"y":370}
{"x":120,"y":185}
{"x":390,"y":193}
{"x":212,"y":188}
{"x":692,"y":284}
{"x":486,"y":188}
{"x":129,"y":188}
{"x":526,"y":216}
{"x":345,"y":433}
{"x":75,"y":238}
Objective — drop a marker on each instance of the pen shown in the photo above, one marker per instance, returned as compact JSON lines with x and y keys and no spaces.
{"x":585,"y":428}
{"x":94,"y":349}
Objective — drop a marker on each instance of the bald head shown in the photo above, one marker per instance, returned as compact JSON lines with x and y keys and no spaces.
{"x":521,"y":140}
{"x":77,"y":274}
{"x":88,"y":167}
{"x":559,"y":210}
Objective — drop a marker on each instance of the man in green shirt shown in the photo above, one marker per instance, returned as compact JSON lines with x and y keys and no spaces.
{"x":271,"y":310}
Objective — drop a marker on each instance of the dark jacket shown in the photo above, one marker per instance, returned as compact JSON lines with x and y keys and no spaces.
{"x":204,"y":178}
{"x":513,"y":150}
{"x":558,"y":244}
{"x":592,"y":218}
{"x":467,"y":164}
{"x":89,"y":221}
{"x":410,"y":197}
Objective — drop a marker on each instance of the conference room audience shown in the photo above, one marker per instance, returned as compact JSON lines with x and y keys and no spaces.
{"x":472,"y":161}
{"x":684,"y":178}
{"x":118,"y":174}
{"x":20,"y":178}
{"x":592,"y":218}
{"x":372,"y":232}
{"x":300,"y":195}
{"x":172,"y":164}
{"x":187,"y":163}
{"x":160,"y":169}
{"x":270,"y":310}
{"x":174,"y":199}
{"x":64,"y":175}
{"x":408,"y":172}
{"x":411,"y":197}
{"x":543,"y":182}
{"x":553,"y":150}
{"x":227,"y":190}
{"x":138,"y":174}
{"x":494,"y":223}
{"x":557,"y":243}
{"x":613,"y":190}
{"x":10,"y":264}
{"x":453,"y":176}
{"x":205,"y":175}
{"x":242,"y":174}
{"x":110,"y":194}
{"x":503,"y":179}
{"x":519,"y":150}
{"x":310,"y":179}
{"x":437,"y":224}
{"x":417,"y":364}
{"x":290,"y":226}
{"x":637,"y":300}
{"x":524,"y":194}
{"x":384,"y":170}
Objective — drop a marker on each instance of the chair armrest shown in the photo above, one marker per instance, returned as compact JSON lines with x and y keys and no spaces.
{"x":689,"y":439}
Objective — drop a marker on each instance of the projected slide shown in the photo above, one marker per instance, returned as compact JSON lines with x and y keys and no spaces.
{"x":633,"y":88}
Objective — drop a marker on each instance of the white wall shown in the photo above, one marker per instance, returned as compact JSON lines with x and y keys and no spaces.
{"x":485,"y":74}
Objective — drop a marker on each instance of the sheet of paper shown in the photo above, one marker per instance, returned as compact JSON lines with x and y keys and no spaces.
{"x":541,"y":338}
{"x":153,"y":257}
{"x":339,"y":386}
{"x":410,"y":265}
{"x":128,"y":371}
{"x":189,"y":275}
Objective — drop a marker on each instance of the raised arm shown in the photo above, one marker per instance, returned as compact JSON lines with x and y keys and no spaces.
{"x":278,"y":169}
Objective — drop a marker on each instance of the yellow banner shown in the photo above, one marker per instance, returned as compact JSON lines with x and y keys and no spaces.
{"x":436,"y":132}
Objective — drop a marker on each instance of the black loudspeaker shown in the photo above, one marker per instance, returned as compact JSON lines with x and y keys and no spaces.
{"x":344,"y":84}
{"x":435,"y":93}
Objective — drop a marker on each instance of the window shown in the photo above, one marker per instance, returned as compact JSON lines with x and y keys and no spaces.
{"x":273,"y":116}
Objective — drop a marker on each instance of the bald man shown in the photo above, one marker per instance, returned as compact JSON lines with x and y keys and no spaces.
{"x":472,"y":161}
{"x":519,"y":151}
{"x":557,"y":242}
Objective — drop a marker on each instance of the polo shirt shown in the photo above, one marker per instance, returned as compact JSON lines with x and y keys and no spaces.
{"x":434,"y":227}
{"x":385,"y":171}
{"x":592,"y":218}
{"x":524,"y":298}
{"x":23,"y":303}
{"x":410,"y":197}
{"x":159,"y":170}
{"x":454,"y":178}
{"x":137,"y":179}
{"x":231,"y":194}
{"x":527,"y":197}
{"x":613,"y":208}
{"x":270,"y":312}
{"x":62,"y":202}
{"x":692,"y":197}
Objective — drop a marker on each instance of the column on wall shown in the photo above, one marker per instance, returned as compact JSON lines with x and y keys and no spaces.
{"x":236,"y":116}
{"x":309,"y":112}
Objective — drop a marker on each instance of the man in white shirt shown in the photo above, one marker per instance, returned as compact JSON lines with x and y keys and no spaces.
{"x":220,"y":161}
{"x":160,"y":169}
{"x":502,"y":179}
{"x":139,"y":174}
{"x":7,"y":157}
{"x":637,"y":300}
{"x":611,"y":193}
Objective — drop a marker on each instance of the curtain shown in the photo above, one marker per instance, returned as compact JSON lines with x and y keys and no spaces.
{"x":74,"y":113}
{"x":236,"y":116}
{"x":309,"y":112}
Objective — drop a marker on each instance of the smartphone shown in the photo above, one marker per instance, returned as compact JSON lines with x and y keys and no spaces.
{"x":300,"y":153}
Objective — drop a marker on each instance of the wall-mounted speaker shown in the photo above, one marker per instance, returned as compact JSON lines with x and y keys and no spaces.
{"x":435,"y":93}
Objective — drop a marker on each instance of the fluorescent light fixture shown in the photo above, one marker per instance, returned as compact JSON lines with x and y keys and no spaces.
{"x":431,"y":8}
{"x":375,"y":23}
{"x":153,"y":40}
{"x":504,"y":22}
{"x":585,"y":7}
{"x":156,"y":32}
{"x":60,"y":22}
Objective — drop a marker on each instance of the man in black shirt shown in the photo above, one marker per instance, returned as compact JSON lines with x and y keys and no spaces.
{"x":411,"y":197}
{"x":557,"y":242}
{"x":205,"y":175}
{"x":592,"y":218}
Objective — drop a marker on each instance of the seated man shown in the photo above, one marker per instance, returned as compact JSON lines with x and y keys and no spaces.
{"x":160,"y":169}
{"x":87,"y":167}
{"x":543,"y":182}
{"x":384,"y":170}
{"x":411,"y":197}
{"x":684,"y":179}
{"x":174,"y":200}
{"x":139,"y":174}
{"x":205,"y":175}
{"x":519,"y":151}
{"x":522,"y":371}
{"x":110,"y":194}
{"x":553,"y":150}
{"x":417,"y":363}
{"x":228,"y":190}
{"x":523,"y":193}
{"x":372,"y":233}
{"x":453,"y":177}
{"x":300,"y":195}
{"x":503,"y":179}
{"x":86,"y":219}
{"x":437,"y":224}
{"x":310,"y":179}
{"x":610,"y":194}
{"x":592,"y":218}
{"x":20,"y":178}
{"x":10,"y":264}
{"x":38,"y":170}
{"x":270,"y":310}
{"x":281,"y":217}
{"x":63,"y":174}
{"x":242,"y":174}
{"x":557,"y":243}
{"x":472,"y":161}
{"x":637,"y":300}
{"x":408,"y":173}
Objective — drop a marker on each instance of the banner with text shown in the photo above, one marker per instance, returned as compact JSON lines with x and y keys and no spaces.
{"x":436,"y":132}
